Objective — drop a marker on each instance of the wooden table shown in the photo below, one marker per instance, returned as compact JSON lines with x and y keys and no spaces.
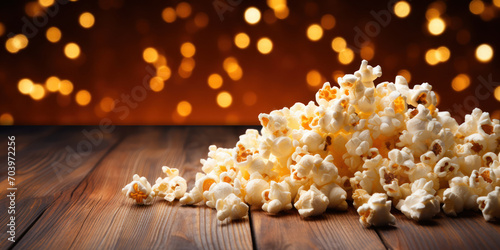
{"x":69,"y":196}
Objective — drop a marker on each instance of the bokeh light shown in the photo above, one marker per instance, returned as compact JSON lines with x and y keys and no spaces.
{"x":25,"y":86}
{"x":107,"y":104}
{"x":460,"y":82}
{"x":188,"y":49}
{"x":313,"y":78}
{"x":484,"y":53}
{"x":314,"y":32}
{"x":406,"y":74}
{"x":224,"y":99}
{"x":168,"y":14}
{"x":346,"y":56}
{"x":328,"y":22}
{"x":476,"y":7}
{"x":183,"y":10}
{"x":436,"y":26}
{"x":497,"y":93}
{"x":402,"y":9}
{"x":241,"y":40}
{"x":52,"y":84}
{"x":86,"y":20}
{"x":53,"y":34}
{"x":37,"y":92}
{"x":150,"y":55}
{"x":66,"y":87}
{"x":252,"y":15}
{"x":6,"y":119}
{"x":215,"y":81}
{"x":83,"y":97}
{"x":265,"y":45}
{"x":338,"y":44}
{"x":72,"y":50}
{"x":156,"y":84}
{"x":184,"y":108}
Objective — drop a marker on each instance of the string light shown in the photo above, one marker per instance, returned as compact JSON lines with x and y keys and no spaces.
{"x":313,"y":78}
{"x":66,"y":87}
{"x":87,"y":20}
{"x":37,"y":92}
{"x":328,"y":22}
{"x":224,"y":99}
{"x":52,"y":84}
{"x":215,"y":81}
{"x":188,"y":49}
{"x":241,"y":40}
{"x":156,"y":84}
{"x":183,"y":10}
{"x":252,"y":15}
{"x":406,"y":74}
{"x":460,"y":82}
{"x":25,"y":86}
{"x":346,"y":56}
{"x":168,"y":15}
{"x":314,"y":32}
{"x":484,"y":53}
{"x":436,"y":26}
{"x":496,"y":93}
{"x":107,"y":104}
{"x":150,"y":55}
{"x":184,"y":108}
{"x":72,"y":50}
{"x":338,"y":44}
{"x":6,"y":119}
{"x":83,"y":97}
{"x":402,"y":9}
{"x":53,"y":34}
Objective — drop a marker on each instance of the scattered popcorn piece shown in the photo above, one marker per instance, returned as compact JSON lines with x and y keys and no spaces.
{"x":421,"y":204}
{"x":360,"y":197}
{"x":171,"y":187}
{"x":311,"y":202}
{"x":490,"y":205}
{"x":459,"y":196}
{"x":140,"y":190}
{"x":376,"y":212}
{"x":231,"y":207}
{"x":277,"y":198}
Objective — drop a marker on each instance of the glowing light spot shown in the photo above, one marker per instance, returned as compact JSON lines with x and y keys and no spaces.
{"x":156,"y":84}
{"x":281,"y":13}
{"x":496,"y":3}
{"x":87,"y":20}
{"x":497,"y":93}
{"x":201,"y":20}
{"x":2,"y":29}
{"x":235,"y":74}
{"x":188,"y":49}
{"x":406,"y":74}
{"x":163,"y":72}
{"x":242,"y":40}
{"x":432,"y":13}
{"x":460,"y":82}
{"x":184,"y":108}
{"x":107,"y":104}
{"x":314,"y":32}
{"x":436,"y":26}
{"x":215,"y":81}
{"x":431,"y":58}
{"x":252,"y":15}
{"x":336,"y":74}
{"x":402,"y":9}
{"x":476,"y":7}
{"x":183,"y":10}
{"x":150,"y":55}
{"x":346,"y":56}
{"x":46,"y":3}
{"x":442,"y":54}
{"x":72,"y":50}
{"x":484,"y":53}
{"x":33,"y":9}
{"x":187,"y":64}
{"x":38,"y":92}
{"x":168,"y":15}
{"x":224,"y":99}
{"x":53,"y":34}
{"x":66,"y":87}
{"x":328,"y":22}
{"x":16,"y":43}
{"x":83,"y":97}
{"x":52,"y":84}
{"x":25,"y":86}
{"x":367,"y":53}
{"x":230,"y":64}
{"x":313,"y":78}
{"x":6,"y":119}
{"x":338,"y":44}
{"x":265,"y":45}
{"x":249,"y":98}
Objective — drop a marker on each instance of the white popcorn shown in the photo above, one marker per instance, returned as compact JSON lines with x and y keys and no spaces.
{"x":421,"y":204}
{"x":311,"y":202}
{"x":336,"y":196}
{"x":376,"y":212}
{"x":139,"y":190}
{"x":220,"y":191}
{"x":360,"y":197}
{"x":277,"y":198}
{"x":253,"y":191}
{"x":171,"y":187}
{"x":202,"y":184}
{"x":231,"y":207}
{"x":459,"y":196}
{"x":490,"y":205}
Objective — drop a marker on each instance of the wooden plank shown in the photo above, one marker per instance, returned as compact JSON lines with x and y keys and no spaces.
{"x":39,"y":183}
{"x":467,"y":231}
{"x":332,"y":230}
{"x":25,"y":135}
{"x":98,"y":216}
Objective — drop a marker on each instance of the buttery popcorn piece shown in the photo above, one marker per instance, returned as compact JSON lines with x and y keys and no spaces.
{"x":171,"y":187}
{"x":490,"y":205}
{"x":376,"y":212}
{"x":139,"y":190}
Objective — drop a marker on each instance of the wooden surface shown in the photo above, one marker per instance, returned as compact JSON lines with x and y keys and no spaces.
{"x":64,"y":204}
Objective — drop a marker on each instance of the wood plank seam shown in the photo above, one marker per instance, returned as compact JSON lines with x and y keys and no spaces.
{"x":83,"y":223}
{"x":252,"y":230}
{"x":121,"y":137}
{"x":382,"y":239}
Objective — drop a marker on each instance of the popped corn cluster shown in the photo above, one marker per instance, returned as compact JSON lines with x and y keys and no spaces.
{"x":379,"y":145}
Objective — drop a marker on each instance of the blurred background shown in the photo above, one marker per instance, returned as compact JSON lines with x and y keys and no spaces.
{"x":226,"y":61}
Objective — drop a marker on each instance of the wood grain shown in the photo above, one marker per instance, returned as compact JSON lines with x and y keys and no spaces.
{"x":332,"y":230}
{"x":98,"y":216}
{"x":467,"y":231}
{"x":37,"y":182}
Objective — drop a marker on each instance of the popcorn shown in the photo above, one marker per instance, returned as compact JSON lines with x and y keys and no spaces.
{"x":171,"y":187}
{"x":421,"y":204}
{"x":376,"y":212}
{"x":311,"y":202}
{"x":231,"y":207}
{"x":277,"y":198}
{"x":490,"y":205}
{"x":360,"y":140}
{"x":139,"y":190}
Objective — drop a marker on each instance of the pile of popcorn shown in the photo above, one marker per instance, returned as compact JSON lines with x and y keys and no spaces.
{"x":377,"y":145}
